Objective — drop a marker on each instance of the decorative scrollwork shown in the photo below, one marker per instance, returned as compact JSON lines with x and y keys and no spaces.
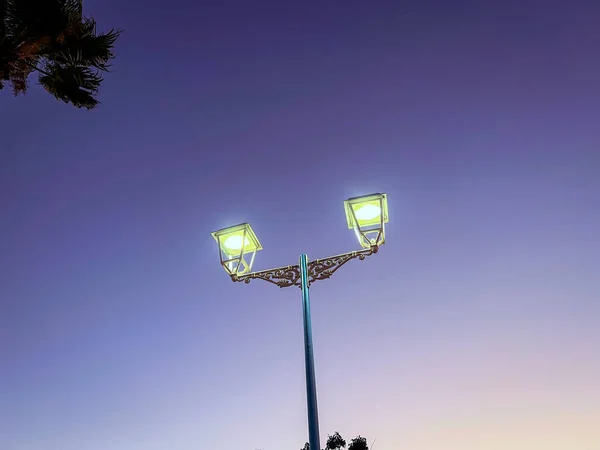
{"x":282,"y":276}
{"x":322,"y":269}
{"x":319,"y":269}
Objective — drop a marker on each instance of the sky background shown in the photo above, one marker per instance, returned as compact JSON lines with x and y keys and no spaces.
{"x":476,"y":327}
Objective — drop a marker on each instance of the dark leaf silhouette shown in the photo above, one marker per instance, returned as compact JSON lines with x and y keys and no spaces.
{"x":358,"y":443}
{"x":335,"y":442}
{"x":55,"y":39}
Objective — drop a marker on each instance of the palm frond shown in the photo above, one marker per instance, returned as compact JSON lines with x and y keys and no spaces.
{"x":71,"y":84}
{"x":85,"y":47}
{"x":55,"y":33}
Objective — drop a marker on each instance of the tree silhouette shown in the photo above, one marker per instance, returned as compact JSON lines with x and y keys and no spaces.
{"x":335,"y":442}
{"x":55,"y":39}
{"x":358,"y":443}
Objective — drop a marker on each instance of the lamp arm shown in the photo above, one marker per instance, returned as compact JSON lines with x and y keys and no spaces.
{"x":281,"y":276}
{"x":324,"y":268}
{"x":319,"y":269}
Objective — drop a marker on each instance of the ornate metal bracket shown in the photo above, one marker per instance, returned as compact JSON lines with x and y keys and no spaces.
{"x":319,"y":269}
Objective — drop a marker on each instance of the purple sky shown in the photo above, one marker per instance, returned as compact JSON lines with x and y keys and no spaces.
{"x":475,"y":328}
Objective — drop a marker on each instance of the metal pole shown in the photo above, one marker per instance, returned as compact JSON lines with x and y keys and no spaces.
{"x":309,"y":362}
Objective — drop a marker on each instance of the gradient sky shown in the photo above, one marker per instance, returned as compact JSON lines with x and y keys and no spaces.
{"x":475,"y":328}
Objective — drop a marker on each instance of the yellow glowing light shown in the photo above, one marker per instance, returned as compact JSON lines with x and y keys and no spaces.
{"x":235,"y":242}
{"x":368,"y":212}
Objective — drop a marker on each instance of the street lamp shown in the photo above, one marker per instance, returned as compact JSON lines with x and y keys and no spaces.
{"x":366,"y":215}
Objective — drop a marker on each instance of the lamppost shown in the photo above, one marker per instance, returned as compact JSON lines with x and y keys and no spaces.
{"x":366,"y":215}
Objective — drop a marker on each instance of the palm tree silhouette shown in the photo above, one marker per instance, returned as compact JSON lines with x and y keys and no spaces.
{"x":55,"y":39}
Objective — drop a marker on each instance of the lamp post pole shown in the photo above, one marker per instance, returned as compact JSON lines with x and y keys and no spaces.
{"x":309,"y":361}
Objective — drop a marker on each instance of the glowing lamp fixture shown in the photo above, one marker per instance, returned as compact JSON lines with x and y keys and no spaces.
{"x":238,"y":246}
{"x":367,"y":216}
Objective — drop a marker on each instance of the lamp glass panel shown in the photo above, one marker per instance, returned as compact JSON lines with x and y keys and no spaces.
{"x":237,"y":239}
{"x":366,"y":211}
